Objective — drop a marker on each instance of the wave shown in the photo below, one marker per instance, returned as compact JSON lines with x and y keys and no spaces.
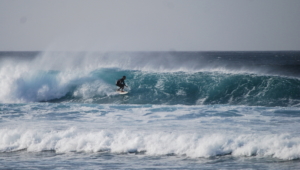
{"x":156,"y":144}
{"x":91,"y":79}
{"x":199,"y":88}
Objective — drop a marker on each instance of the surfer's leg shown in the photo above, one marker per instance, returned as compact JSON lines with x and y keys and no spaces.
{"x":119,"y":88}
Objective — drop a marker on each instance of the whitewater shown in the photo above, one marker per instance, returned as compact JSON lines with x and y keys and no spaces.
{"x":184,"y":110}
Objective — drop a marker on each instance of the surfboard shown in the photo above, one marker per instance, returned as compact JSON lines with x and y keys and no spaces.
{"x":124,"y":92}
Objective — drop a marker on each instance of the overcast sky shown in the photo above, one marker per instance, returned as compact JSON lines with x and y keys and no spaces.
{"x":149,"y":25}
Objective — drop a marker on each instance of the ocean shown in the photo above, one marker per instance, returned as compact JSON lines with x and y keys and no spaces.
{"x":183,"y":110}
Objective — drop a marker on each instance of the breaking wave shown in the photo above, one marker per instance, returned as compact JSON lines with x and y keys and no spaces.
{"x":92,"y":79}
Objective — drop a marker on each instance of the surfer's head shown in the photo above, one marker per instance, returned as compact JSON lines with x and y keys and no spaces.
{"x":124,"y":77}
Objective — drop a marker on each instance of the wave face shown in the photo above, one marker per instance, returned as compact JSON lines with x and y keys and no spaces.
{"x":84,"y":78}
{"x":185,"y":88}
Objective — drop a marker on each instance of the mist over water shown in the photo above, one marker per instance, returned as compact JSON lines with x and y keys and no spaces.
{"x":282,"y":63}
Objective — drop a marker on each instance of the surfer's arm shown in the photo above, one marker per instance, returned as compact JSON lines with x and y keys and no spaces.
{"x":124,"y":83}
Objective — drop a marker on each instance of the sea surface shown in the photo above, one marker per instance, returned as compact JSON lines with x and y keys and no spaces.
{"x":184,"y":110}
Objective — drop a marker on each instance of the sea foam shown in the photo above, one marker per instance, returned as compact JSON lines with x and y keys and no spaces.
{"x":155,"y":143}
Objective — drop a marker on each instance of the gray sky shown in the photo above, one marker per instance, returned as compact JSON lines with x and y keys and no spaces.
{"x":147,"y":25}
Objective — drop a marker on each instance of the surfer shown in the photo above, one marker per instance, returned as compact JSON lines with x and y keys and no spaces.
{"x":121,"y":83}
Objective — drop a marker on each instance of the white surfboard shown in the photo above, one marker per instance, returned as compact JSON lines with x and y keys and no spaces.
{"x":122,"y":92}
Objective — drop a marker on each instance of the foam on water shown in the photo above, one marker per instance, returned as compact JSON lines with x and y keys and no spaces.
{"x":157,"y":143}
{"x":186,"y":131}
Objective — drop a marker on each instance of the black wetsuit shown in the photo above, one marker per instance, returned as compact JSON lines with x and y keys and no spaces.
{"x":121,"y":83}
